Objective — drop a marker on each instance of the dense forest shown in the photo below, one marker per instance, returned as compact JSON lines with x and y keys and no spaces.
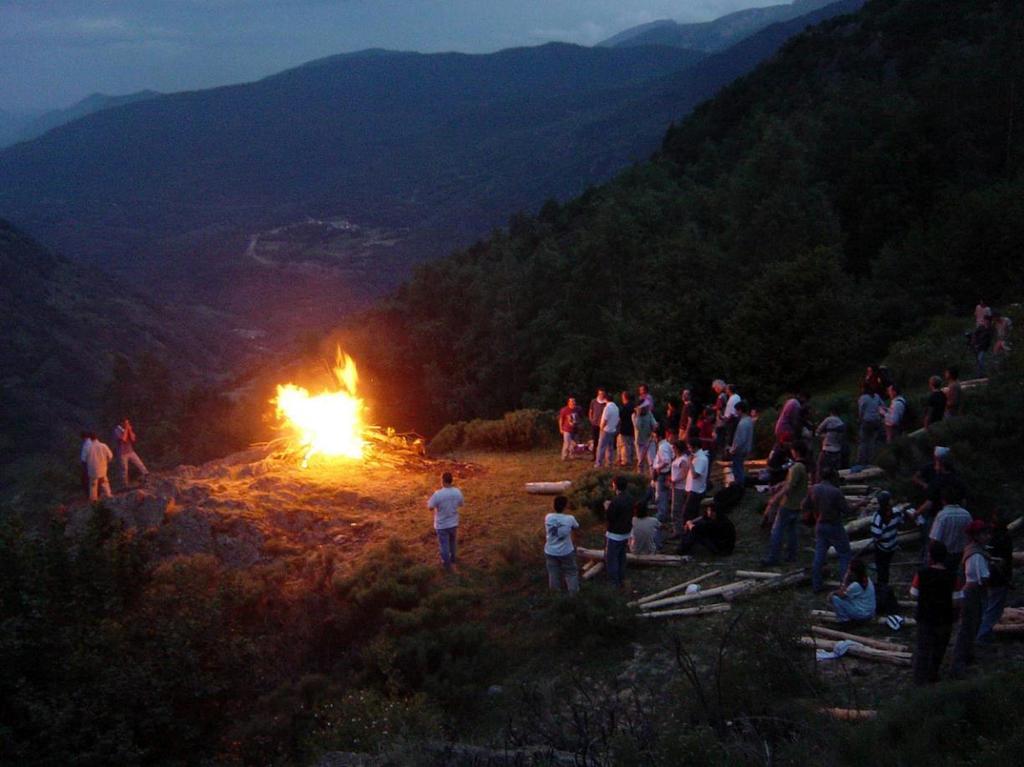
{"x":866,"y":178}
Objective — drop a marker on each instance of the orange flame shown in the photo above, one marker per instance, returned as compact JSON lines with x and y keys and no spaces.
{"x":330,"y":423}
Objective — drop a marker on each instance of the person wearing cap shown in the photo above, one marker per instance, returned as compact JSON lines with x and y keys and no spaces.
{"x":950,"y":525}
{"x":936,"y":590}
{"x":885,"y":526}
{"x":976,"y":576}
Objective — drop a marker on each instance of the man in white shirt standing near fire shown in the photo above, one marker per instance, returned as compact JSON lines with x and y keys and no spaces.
{"x":445,"y":503}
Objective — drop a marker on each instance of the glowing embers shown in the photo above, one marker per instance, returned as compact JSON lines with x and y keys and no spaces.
{"x":329,"y":424}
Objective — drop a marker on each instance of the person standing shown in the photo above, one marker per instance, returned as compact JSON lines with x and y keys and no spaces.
{"x":1000,"y":551}
{"x":559,"y":548}
{"x":869,"y":417}
{"x":790,"y":423}
{"x":124,"y":439}
{"x":568,"y":420}
{"x":976,"y":576}
{"x":787,"y":501}
{"x":981,"y":341}
{"x":954,"y":393}
{"x":982,"y":312}
{"x":687,"y":413}
{"x":97,"y":463}
{"x":679,"y":471}
{"x":935,"y":407}
{"x":742,"y":443}
{"x":661,"y":470}
{"x":445,"y":503}
{"x":594,"y":414}
{"x":935,"y":589}
{"x":828,"y":506}
{"x":696,"y":477}
{"x":83,"y":454}
{"x":645,"y":401}
{"x":721,"y":400}
{"x":950,"y":525}
{"x":894,"y":414}
{"x":732,"y":417}
{"x":620,"y":525}
{"x":831,"y":430}
{"x":609,"y":432}
{"x":626,"y":440}
{"x":645,"y":433}
{"x":885,"y":526}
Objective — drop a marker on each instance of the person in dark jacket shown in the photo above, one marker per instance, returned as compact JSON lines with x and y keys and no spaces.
{"x":620,"y":525}
{"x":1000,"y":553}
{"x":935,"y":588}
{"x":715,"y":533}
{"x":825,"y":501}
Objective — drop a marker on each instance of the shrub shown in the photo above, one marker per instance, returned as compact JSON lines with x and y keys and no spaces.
{"x":592,"y":489}
{"x":518,"y":430}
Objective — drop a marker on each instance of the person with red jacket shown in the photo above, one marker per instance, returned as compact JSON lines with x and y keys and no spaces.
{"x":568,"y":420}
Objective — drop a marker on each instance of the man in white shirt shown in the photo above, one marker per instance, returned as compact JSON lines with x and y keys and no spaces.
{"x":679,"y":471}
{"x":976,"y":576}
{"x":87,"y":438}
{"x":559,"y":549}
{"x":661,"y":469}
{"x":97,"y":462}
{"x":445,"y":503}
{"x":609,"y":431}
{"x":696,"y":480}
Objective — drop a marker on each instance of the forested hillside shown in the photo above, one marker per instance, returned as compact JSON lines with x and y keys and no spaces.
{"x":867,"y":177}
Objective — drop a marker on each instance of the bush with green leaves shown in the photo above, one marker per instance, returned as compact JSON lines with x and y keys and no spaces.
{"x":595,"y":487}
{"x":518,"y":430}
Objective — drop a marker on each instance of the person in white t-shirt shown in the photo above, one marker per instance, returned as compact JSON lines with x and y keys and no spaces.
{"x":677,"y":476}
{"x":609,"y":432}
{"x":560,"y":549}
{"x":97,"y":461}
{"x":445,"y":503}
{"x":661,"y":471}
{"x":696,"y":479}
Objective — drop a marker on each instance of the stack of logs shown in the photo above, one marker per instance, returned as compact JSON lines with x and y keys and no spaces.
{"x":670,"y":603}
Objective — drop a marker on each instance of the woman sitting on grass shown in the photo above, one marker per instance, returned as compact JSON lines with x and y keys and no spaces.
{"x":855,"y":599}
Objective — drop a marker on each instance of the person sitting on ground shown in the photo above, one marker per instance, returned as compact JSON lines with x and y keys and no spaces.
{"x":645,"y":537}
{"x":885,"y":526}
{"x":560,"y":548}
{"x":786,"y":504}
{"x":975,"y":579}
{"x":855,"y":599}
{"x":568,"y":420}
{"x":620,"y":525}
{"x":677,"y":478}
{"x":445,"y":503}
{"x":954,"y":392}
{"x":951,"y":523}
{"x":935,"y":407}
{"x":1000,"y":554}
{"x":97,"y":463}
{"x":626,"y":441}
{"x":714,"y":532}
{"x":742,"y":443}
{"x":936,"y":590}
{"x":831,"y":430}
{"x":869,"y":416}
{"x":827,"y":505}
{"x":895,"y":414}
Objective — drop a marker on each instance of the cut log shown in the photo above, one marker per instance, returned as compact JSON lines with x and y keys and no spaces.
{"x":673,"y":589}
{"x":880,"y":644}
{"x":1016,"y":525}
{"x":705,"y":594}
{"x":859,"y":651}
{"x":830,"y":617}
{"x":973,"y":383}
{"x":653,"y":560}
{"x":757,"y":574}
{"x":683,"y":611}
{"x":850,"y":714}
{"x":860,"y":545}
{"x":859,"y":524}
{"x":763,"y":586}
{"x":1018,"y":557}
{"x":858,"y":490}
{"x":549,"y":488}
{"x":594,"y":571}
{"x":1009,"y":628}
{"x":867,"y":472}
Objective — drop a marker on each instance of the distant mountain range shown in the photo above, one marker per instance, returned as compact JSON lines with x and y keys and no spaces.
{"x":25,"y":127}
{"x":712,"y":36}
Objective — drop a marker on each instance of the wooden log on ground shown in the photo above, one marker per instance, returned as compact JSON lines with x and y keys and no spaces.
{"x":973,"y":383}
{"x":1012,"y":615}
{"x":594,"y":571}
{"x":830,"y":617}
{"x":857,"y":490}
{"x":1018,"y":557}
{"x":858,"y":546}
{"x":705,"y":594}
{"x":1016,"y":525}
{"x":859,"y":651}
{"x":673,"y":589}
{"x":757,"y":574}
{"x":867,"y":472}
{"x":1009,"y":628}
{"x":684,"y":611}
{"x":850,"y":714}
{"x":549,"y":488}
{"x":653,"y":560}
{"x":763,"y":586}
{"x":859,"y":524}
{"x":881,"y":644}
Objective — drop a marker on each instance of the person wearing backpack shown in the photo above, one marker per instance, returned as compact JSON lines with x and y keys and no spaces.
{"x":895,"y":415}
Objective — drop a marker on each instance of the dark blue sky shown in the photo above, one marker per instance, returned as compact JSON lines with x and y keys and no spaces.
{"x":54,"y":52}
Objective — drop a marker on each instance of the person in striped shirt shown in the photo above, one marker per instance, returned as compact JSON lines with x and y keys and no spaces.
{"x":885,"y":526}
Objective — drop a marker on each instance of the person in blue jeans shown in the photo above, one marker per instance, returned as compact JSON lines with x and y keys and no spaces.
{"x":620,"y":525}
{"x":1000,"y":551}
{"x":828,"y":505}
{"x":445,"y":503}
{"x":787,"y":501}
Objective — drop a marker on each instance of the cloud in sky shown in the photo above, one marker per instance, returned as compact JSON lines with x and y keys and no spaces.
{"x":53,"y":52}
